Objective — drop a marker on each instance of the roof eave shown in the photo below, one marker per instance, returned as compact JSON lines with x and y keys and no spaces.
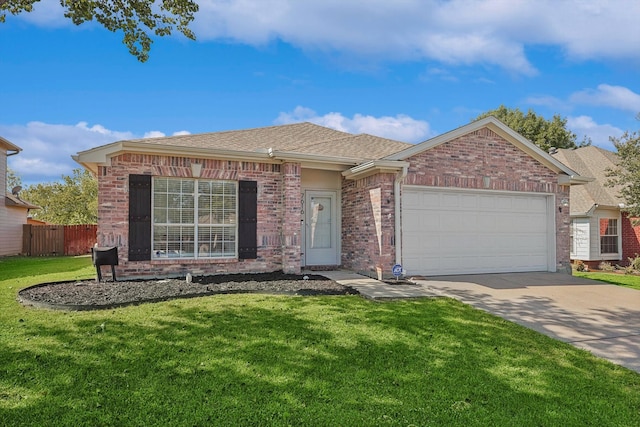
{"x":374,"y":167}
{"x":314,"y":160}
{"x":10,"y":146}
{"x":19,"y":203}
{"x":101,"y":156}
{"x":574,"y":180}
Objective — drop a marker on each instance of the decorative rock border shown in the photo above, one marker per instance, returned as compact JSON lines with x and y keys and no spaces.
{"x":24,"y":299}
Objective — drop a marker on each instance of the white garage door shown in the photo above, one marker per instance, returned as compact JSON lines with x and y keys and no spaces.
{"x":465,"y":232}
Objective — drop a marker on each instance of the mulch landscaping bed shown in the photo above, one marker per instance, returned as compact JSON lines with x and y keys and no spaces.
{"x":91,"y":295}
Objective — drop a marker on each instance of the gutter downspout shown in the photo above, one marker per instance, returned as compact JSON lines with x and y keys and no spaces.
{"x":398,"y":223}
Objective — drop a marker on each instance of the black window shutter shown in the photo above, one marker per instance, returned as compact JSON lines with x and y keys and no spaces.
{"x":139,"y":217}
{"x":247,"y":219}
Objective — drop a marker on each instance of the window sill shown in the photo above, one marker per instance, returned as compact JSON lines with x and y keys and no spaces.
{"x":164,"y":261}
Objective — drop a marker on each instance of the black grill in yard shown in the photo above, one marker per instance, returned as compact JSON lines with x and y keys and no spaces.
{"x":105,"y":256}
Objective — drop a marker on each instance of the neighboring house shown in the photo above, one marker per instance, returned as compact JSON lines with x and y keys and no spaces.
{"x":13,"y":210}
{"x":600,"y":229}
{"x":479,"y":199}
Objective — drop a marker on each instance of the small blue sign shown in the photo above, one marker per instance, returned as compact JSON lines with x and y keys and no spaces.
{"x":397,"y":270}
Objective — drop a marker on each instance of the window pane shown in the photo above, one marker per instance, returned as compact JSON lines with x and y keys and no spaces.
{"x":609,"y":244}
{"x":160,"y":185}
{"x":173,"y":216}
{"x":174,"y":186}
{"x":160,"y":200}
{"x":187,"y":216}
{"x":173,"y":201}
{"x":204,"y":187}
{"x":160,"y":215}
{"x":187,"y":186}
{"x":175,"y":211}
{"x":216,"y":241}
{"x":230,"y":189}
{"x":608,"y":236}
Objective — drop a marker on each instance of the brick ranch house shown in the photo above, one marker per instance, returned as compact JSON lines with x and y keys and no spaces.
{"x":600,"y":230}
{"x":478,"y":199}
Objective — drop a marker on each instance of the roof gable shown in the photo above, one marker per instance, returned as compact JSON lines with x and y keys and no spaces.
{"x":499,"y":128}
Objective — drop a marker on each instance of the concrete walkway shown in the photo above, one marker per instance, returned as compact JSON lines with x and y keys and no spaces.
{"x":601,"y":318}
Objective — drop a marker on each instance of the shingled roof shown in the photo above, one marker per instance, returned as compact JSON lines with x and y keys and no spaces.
{"x":591,"y":162}
{"x":302,"y":138}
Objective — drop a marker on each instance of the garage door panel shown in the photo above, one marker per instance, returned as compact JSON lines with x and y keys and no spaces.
{"x":465,"y":232}
{"x":449,"y":201}
{"x":428,"y":200}
{"x":426,"y":220}
{"x":412,"y":220}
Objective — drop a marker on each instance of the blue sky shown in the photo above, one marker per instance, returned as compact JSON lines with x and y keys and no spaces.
{"x":407,"y":70}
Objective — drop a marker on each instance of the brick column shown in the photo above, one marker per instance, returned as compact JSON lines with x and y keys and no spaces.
{"x":291,"y":203}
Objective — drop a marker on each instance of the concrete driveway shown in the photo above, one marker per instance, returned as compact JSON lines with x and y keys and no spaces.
{"x":595,"y":316}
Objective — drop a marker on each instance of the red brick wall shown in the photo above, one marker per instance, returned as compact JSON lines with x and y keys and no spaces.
{"x":463,"y":162}
{"x":362,"y":250}
{"x":292,"y":195}
{"x":113,"y":206}
{"x":630,"y":239}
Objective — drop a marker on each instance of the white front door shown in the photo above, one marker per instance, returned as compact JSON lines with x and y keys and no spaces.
{"x":321,"y":228}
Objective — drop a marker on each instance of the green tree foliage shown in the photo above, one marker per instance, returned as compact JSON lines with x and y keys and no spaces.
{"x":627,"y":173}
{"x":542,"y":132}
{"x":13,"y":179}
{"x":74,"y":200}
{"x":137,"y":19}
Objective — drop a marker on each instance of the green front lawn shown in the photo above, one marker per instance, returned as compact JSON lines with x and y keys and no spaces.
{"x":628,"y":280}
{"x":247,"y":360}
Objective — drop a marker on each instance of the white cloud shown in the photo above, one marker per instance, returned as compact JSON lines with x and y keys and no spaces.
{"x":547,"y":101}
{"x":599,"y":133}
{"x":606,"y":95}
{"x":401,"y":127}
{"x":458,"y":32}
{"x":455,"y":32}
{"x":46,"y":13}
{"x":154,"y":134}
{"x":47,"y":148}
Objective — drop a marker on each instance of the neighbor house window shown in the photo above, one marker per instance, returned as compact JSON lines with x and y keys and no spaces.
{"x":194,"y":218}
{"x":608,"y":236}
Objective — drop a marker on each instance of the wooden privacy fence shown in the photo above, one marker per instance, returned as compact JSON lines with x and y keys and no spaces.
{"x":40,"y":240}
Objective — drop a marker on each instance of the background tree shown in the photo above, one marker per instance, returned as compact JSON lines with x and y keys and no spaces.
{"x":74,"y":200}
{"x":138,"y":19}
{"x":627,"y":173}
{"x":13,"y":180}
{"x":542,"y":132}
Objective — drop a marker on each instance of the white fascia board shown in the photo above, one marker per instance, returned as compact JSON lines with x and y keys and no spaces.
{"x":206,"y":153}
{"x":90,"y":159}
{"x":574,"y":180}
{"x":588,"y":214}
{"x":289,"y":156}
{"x":498,"y":127}
{"x":101,"y":156}
{"x":374,"y":167}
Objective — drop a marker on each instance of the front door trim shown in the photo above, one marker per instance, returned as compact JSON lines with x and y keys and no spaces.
{"x":317,"y":220}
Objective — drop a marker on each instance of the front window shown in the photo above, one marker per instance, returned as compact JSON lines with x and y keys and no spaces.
{"x":194,"y":218}
{"x":608,"y":236}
